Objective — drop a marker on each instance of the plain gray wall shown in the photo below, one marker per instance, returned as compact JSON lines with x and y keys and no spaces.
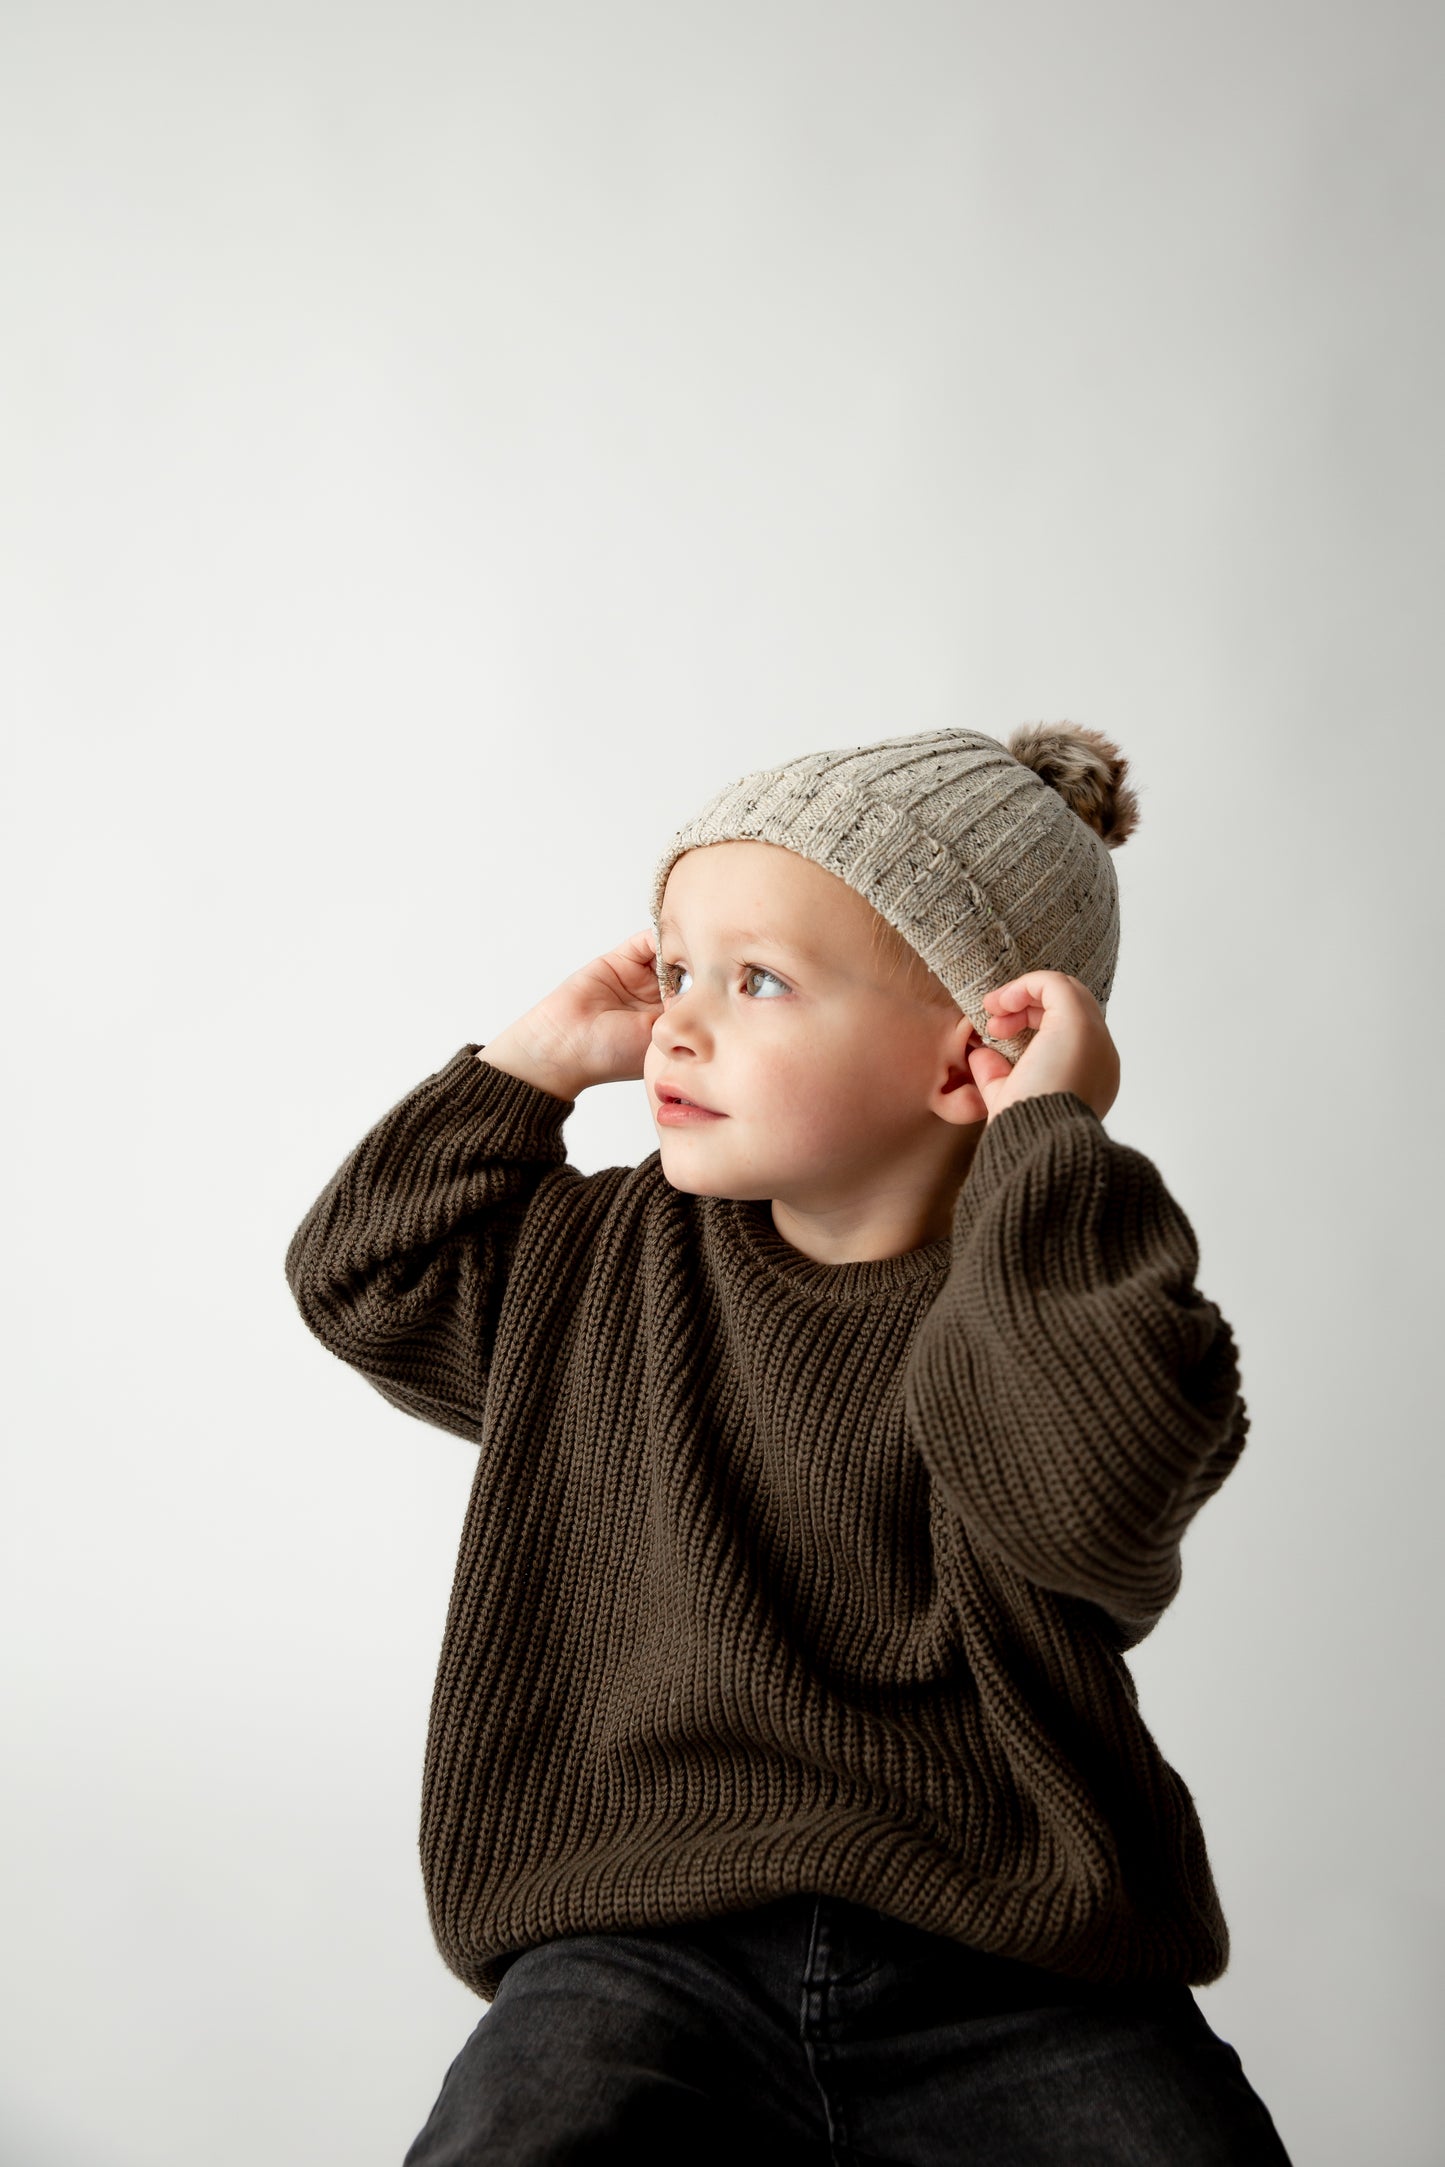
{"x":442,"y":445}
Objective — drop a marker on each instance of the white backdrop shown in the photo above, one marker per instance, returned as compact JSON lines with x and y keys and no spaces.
{"x":441,"y":445}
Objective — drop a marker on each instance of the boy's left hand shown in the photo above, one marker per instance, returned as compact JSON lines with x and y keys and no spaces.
{"x":1071,"y":1049}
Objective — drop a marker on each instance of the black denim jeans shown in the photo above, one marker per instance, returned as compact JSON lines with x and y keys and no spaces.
{"x":815,"y":2030}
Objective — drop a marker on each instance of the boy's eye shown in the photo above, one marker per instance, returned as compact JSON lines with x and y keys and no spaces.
{"x":674,"y":973}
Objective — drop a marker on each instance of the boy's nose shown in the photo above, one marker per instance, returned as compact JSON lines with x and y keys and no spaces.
{"x":665,"y":1029}
{"x":673,"y":1029}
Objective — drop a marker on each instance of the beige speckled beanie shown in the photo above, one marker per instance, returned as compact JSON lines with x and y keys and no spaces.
{"x":990,"y":859}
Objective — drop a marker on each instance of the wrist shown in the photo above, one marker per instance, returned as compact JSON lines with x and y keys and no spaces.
{"x":516,"y":1055}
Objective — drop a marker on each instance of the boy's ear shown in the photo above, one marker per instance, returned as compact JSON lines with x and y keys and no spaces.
{"x":959,"y":1101}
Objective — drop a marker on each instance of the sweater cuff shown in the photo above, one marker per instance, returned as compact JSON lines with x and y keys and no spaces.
{"x":1011,"y":1137}
{"x":520,"y":1116}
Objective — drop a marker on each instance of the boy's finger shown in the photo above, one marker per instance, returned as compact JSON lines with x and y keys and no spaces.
{"x":1034,"y":986}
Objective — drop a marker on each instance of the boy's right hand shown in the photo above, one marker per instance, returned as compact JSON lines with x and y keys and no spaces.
{"x":594,"y":1028}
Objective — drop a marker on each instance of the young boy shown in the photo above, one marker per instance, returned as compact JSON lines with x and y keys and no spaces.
{"x":785,"y":1787}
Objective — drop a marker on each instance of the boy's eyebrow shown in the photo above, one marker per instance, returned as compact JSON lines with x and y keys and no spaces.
{"x":747,"y":937}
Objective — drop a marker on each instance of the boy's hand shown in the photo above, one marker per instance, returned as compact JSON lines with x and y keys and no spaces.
{"x":1072,"y":1049}
{"x":593,"y":1028}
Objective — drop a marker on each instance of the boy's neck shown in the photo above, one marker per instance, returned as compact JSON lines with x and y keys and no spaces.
{"x":890,"y":1232}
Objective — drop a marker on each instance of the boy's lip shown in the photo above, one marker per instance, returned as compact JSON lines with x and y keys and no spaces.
{"x":669,"y":1091}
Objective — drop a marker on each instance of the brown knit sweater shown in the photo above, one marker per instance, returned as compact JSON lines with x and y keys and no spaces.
{"x":781,"y":1576}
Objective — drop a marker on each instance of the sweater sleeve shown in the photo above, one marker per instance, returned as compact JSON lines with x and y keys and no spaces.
{"x":1071,"y":1391}
{"x":400,"y":1264}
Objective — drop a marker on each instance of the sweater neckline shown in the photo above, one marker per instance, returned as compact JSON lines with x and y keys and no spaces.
{"x":750,"y":1221}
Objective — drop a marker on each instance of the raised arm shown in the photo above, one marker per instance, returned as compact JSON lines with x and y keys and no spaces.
{"x":400,"y":1264}
{"x":1072,"y":1392}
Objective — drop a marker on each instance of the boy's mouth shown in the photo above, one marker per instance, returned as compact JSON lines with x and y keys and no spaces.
{"x":668,"y":1095}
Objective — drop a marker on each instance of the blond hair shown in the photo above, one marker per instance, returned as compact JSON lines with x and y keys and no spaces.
{"x":900,"y":959}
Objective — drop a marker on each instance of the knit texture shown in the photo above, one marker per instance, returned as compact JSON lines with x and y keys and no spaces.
{"x":970,"y":854}
{"x":780,"y":1576}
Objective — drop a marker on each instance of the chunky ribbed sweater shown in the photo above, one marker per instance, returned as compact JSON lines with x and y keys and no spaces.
{"x":781,"y":1576}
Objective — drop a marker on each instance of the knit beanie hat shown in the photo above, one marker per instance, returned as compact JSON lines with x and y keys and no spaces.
{"x":989,"y":859}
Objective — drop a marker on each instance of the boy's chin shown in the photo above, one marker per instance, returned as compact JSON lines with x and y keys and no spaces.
{"x":698,"y":1185}
{"x":693,"y":1181}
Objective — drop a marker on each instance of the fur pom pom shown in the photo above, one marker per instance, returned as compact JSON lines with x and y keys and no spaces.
{"x":1087,"y":771}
